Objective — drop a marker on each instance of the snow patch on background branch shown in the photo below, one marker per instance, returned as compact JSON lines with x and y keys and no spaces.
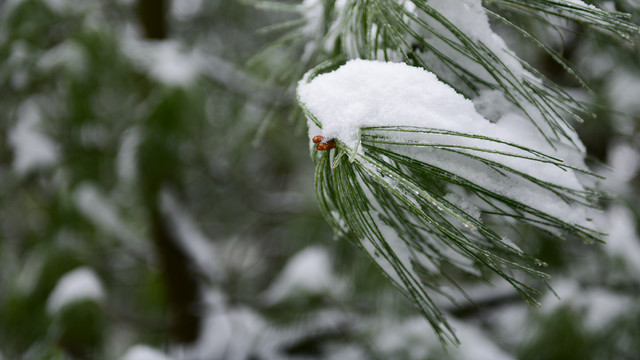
{"x":79,"y":284}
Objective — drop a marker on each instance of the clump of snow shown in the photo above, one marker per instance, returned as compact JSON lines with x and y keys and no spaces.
{"x":595,"y":64}
{"x":58,"y":5}
{"x":166,"y":61}
{"x":465,"y":206}
{"x":98,"y":208}
{"x":476,"y":345}
{"x":79,"y":284}
{"x":578,"y":3}
{"x":347,"y":352}
{"x":599,"y":306}
{"x":509,"y":321}
{"x":126,"y":160}
{"x":414,"y":339}
{"x":622,"y":89}
{"x":68,"y":56}
{"x":623,"y":241}
{"x":309,"y":272}
{"x":492,"y":104}
{"x":31,"y":147}
{"x":470,"y":17}
{"x":313,"y":12}
{"x":186,"y":10}
{"x":603,"y":307}
{"x":144,"y":352}
{"x":625,"y":161}
{"x":227,"y":332}
{"x":237,"y":332}
{"x":370,"y":93}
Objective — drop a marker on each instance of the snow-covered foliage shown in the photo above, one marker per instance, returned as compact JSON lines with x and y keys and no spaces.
{"x":308,"y":272}
{"x":79,"y":284}
{"x":31,"y":146}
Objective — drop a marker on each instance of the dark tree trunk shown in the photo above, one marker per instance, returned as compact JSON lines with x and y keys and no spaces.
{"x":180,"y":280}
{"x":157,"y":168}
{"x":152,"y":15}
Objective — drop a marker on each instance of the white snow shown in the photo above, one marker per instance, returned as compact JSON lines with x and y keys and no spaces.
{"x":347,"y":352}
{"x":312,"y":10}
{"x":227,"y":332}
{"x":31,"y":147}
{"x":623,"y":88}
{"x":510,"y":322}
{"x":476,"y":345}
{"x":371,"y":93}
{"x":623,"y":241}
{"x":470,"y":17}
{"x":237,"y":332}
{"x":604,"y":306}
{"x":463,"y":204}
{"x":309,"y":272}
{"x":126,"y":160}
{"x":67,"y":7}
{"x":166,"y":61}
{"x":144,"y":352}
{"x":578,"y":3}
{"x":185,"y":10}
{"x":625,"y":161}
{"x":59,"y":6}
{"x":98,"y":208}
{"x":79,"y":284}
{"x":598,"y":305}
{"x":69,"y":56}
{"x":413,"y":338}
{"x":492,"y":105}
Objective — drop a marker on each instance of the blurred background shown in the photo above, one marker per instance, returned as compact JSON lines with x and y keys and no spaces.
{"x":157,"y":199}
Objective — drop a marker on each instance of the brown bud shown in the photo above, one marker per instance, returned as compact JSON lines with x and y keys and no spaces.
{"x":323,"y":146}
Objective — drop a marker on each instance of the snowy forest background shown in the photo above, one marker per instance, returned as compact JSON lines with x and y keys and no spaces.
{"x":158,"y":197}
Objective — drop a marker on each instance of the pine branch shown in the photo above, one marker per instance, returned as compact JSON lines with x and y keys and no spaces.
{"x":419,"y":199}
{"x":390,"y":192}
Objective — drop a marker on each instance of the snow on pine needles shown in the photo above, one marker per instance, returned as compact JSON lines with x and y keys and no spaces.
{"x":420,"y":180}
